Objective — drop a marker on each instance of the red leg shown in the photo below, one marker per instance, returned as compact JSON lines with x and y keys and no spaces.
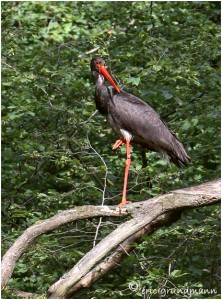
{"x":128,"y":161}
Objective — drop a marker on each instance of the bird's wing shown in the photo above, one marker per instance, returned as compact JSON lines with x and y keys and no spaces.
{"x":139,"y":118}
{"x":130,"y":113}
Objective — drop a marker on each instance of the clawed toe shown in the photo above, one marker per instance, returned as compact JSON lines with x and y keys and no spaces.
{"x":123,"y":203}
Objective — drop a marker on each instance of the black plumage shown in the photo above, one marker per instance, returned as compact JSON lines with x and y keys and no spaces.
{"x":132,"y":118}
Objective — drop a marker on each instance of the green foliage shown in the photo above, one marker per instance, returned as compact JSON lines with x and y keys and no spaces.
{"x":54,"y":157}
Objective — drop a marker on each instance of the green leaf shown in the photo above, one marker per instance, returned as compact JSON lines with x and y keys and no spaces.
{"x":42,"y":148}
{"x":157,"y":68}
{"x":186,"y":125}
{"x":134,"y":80}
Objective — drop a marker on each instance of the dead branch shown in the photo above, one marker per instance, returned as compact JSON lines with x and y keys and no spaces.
{"x":41,"y":227}
{"x":143,"y":214}
{"x":24,"y":295}
{"x":147,"y":216}
{"x":122,"y":250}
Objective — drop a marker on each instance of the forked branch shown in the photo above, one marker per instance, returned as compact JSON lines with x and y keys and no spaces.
{"x":147,"y":216}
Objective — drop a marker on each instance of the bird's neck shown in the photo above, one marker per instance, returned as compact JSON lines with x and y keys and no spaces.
{"x":99,"y":79}
{"x":102,"y":95}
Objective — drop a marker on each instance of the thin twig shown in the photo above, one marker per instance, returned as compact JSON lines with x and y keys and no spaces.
{"x":124,"y":250}
{"x":89,"y":52}
{"x":92,"y":115}
{"x":104,"y":190}
{"x":9,"y":65}
{"x":162,"y":55}
{"x":151,"y":17}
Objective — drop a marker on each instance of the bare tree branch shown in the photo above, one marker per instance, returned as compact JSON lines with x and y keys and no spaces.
{"x":123,"y":250}
{"x":147,"y":216}
{"x":30,"y":234}
{"x":143,"y":214}
{"x":24,"y":295}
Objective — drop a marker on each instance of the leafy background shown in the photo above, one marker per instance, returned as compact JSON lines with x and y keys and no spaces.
{"x":55,"y":156}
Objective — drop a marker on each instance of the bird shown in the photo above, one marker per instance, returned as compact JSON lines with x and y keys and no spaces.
{"x":134,"y":121}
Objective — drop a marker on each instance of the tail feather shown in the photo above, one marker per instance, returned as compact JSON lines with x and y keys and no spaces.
{"x":178,"y":155}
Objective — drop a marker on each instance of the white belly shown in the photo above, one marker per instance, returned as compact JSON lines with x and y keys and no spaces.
{"x":126,"y":134}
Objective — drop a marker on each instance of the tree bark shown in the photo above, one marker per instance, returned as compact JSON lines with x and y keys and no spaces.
{"x":26,"y":239}
{"x":121,"y":251}
{"x":147,"y":216}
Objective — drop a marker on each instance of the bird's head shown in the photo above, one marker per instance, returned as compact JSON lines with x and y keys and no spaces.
{"x":98,"y":65}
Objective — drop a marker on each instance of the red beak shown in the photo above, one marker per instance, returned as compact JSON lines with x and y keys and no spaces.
{"x":106,"y":74}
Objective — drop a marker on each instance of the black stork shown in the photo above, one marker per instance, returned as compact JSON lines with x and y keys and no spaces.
{"x":134,"y":120}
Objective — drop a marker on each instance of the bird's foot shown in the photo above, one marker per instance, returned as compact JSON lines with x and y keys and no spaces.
{"x":123,"y":203}
{"x":117,"y":144}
